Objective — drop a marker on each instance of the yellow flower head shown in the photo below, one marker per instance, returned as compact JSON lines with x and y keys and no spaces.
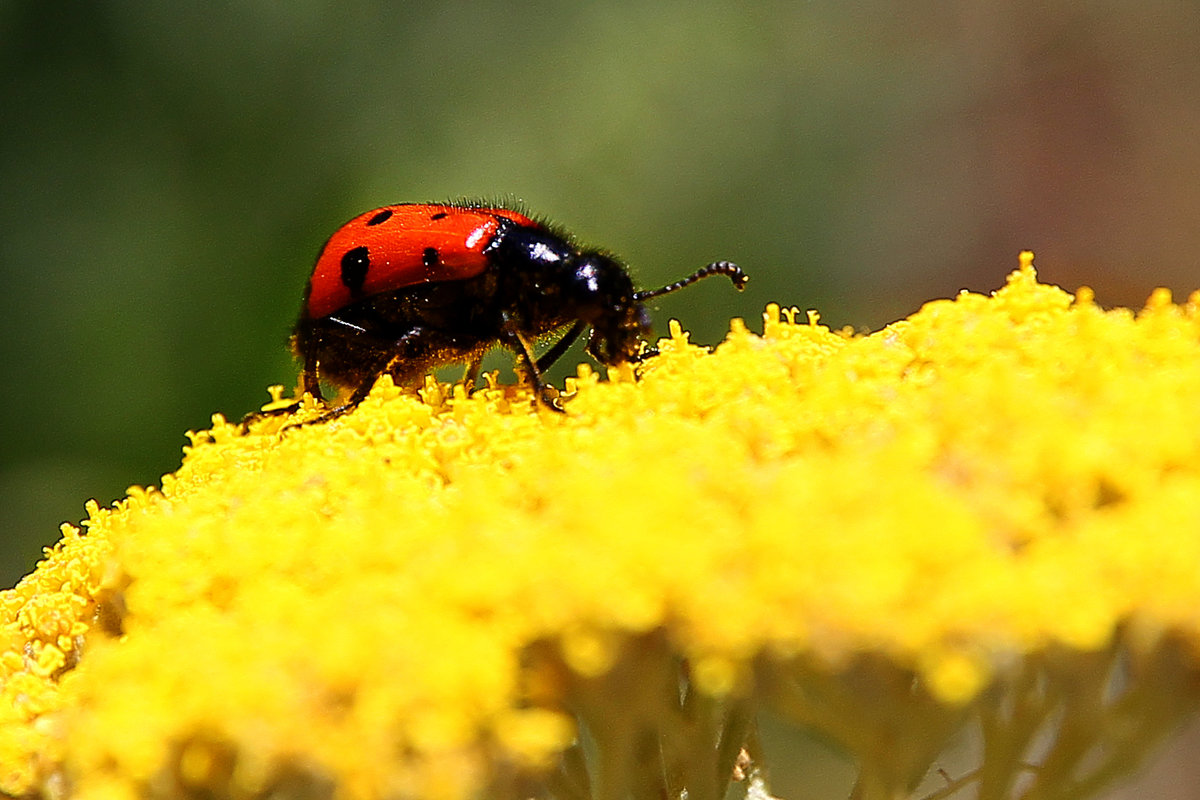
{"x":879,"y":537}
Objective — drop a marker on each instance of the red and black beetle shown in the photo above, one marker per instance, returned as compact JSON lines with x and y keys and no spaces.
{"x":406,"y":288}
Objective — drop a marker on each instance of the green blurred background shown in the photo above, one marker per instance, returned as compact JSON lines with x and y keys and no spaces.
{"x":168,"y":172}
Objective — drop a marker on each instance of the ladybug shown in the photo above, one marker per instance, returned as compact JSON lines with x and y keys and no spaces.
{"x":403,"y":289}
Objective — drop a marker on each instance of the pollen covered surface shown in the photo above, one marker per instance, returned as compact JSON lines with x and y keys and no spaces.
{"x":354,"y":604}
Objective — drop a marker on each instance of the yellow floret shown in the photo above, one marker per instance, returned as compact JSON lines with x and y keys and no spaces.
{"x":876,"y":536}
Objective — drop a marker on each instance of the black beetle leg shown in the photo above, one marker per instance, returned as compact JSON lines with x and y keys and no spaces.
{"x":515,"y":341}
{"x":649,"y":351}
{"x":472,"y":374}
{"x":560,"y":347}
{"x":359,"y":395}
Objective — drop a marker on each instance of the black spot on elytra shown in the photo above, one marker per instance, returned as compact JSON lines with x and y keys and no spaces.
{"x":440,"y":215}
{"x":355,"y":264}
{"x":382,"y":216}
{"x":429,"y":258}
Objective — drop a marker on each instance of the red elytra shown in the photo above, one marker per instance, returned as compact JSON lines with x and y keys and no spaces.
{"x":398,"y":238}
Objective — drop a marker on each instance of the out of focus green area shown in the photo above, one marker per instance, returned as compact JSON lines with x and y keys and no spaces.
{"x":168,"y":172}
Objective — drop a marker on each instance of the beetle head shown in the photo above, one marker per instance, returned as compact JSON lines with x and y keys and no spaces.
{"x":603,"y":297}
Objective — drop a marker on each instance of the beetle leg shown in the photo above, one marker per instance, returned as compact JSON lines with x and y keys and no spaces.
{"x":312,"y":382}
{"x":649,"y":351}
{"x":560,"y":347}
{"x":306,"y":342}
{"x":357,"y":397}
{"x":516,"y":342}
{"x":472,"y":374}
{"x":312,"y":385}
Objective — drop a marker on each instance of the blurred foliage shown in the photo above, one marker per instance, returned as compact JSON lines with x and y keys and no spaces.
{"x":168,"y":172}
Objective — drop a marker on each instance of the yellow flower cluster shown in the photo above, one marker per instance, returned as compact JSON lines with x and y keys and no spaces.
{"x":880,"y":537}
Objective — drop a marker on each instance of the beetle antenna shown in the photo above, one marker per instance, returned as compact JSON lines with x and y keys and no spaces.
{"x":729,"y":268}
